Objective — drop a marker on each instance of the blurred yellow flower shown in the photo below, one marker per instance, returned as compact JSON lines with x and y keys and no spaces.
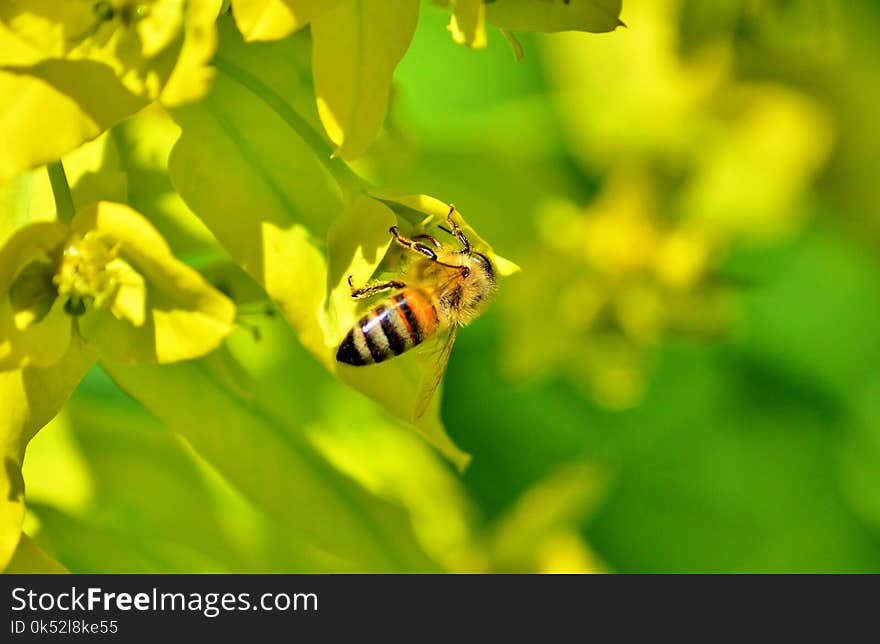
{"x":626,"y":279}
{"x":741,"y":153}
{"x":468,"y":23}
{"x":693,"y":162}
{"x":540,"y":533}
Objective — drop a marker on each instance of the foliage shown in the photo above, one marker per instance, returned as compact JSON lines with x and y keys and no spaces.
{"x":86,"y":278}
{"x":681,"y":378}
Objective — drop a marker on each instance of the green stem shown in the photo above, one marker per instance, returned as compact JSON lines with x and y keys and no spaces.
{"x":349,"y":181}
{"x":61,"y":192}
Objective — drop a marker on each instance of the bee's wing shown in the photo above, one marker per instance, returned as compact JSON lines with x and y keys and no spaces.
{"x":433,"y":378}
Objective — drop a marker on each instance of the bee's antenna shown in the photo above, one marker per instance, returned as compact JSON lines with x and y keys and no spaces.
{"x":445,"y":229}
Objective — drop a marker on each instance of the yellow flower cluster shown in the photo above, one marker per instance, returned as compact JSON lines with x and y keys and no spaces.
{"x":73,"y":68}
{"x":609,"y":282}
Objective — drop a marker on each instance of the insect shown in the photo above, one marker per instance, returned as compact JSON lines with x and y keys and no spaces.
{"x":444,"y":288}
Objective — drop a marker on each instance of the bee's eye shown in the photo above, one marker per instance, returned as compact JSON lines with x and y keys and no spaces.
{"x":483,"y":261}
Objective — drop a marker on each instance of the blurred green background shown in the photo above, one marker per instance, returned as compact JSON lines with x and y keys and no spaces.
{"x":685,"y":376}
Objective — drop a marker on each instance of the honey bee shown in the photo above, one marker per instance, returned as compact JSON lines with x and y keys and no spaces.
{"x":443,"y":289}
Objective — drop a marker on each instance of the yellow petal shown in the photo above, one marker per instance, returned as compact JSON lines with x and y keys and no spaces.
{"x":28,"y":341}
{"x":426,"y":208}
{"x":130,"y":301}
{"x":32,"y":293}
{"x":48,"y":28}
{"x":55,"y":107}
{"x":16,"y":52}
{"x":355,"y":48}
{"x":356,"y":246}
{"x":160,"y":25}
{"x":192,"y":75}
{"x":40,"y":344}
{"x":276,"y":19}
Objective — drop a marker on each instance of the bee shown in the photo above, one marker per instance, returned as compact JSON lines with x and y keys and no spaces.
{"x":443,"y":289}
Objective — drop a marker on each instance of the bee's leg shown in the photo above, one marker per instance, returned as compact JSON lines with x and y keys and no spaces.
{"x":429,"y":238}
{"x":455,"y":230}
{"x":415,"y":246}
{"x":423,"y":249}
{"x":372,"y":289}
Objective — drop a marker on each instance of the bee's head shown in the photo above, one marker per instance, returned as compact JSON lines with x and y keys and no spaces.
{"x":474,"y":263}
{"x":481,"y":265}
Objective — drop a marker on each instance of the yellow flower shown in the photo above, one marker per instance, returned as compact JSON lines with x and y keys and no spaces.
{"x":111,"y":280}
{"x":142,"y":41}
{"x":70,"y":69}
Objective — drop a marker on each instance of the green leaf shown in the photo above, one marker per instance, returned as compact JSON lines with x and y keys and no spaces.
{"x":359,"y":438}
{"x":93,"y":491}
{"x":242,"y":165}
{"x":276,"y":19}
{"x":144,"y":143}
{"x":232,"y":167}
{"x":273,"y":466}
{"x":31,"y":398}
{"x":573,"y":15}
{"x":29,"y":559}
{"x":91,"y":545}
{"x":356,"y":47}
{"x":397,"y":384}
{"x":192,"y":75}
{"x":357,"y":245}
{"x":236,"y":141}
{"x":397,"y":465}
{"x":281,"y":253}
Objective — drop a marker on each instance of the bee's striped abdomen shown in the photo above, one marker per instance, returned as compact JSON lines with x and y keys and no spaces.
{"x":396,"y":325}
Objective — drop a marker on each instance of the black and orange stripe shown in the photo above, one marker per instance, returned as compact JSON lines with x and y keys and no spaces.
{"x":396,"y":325}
